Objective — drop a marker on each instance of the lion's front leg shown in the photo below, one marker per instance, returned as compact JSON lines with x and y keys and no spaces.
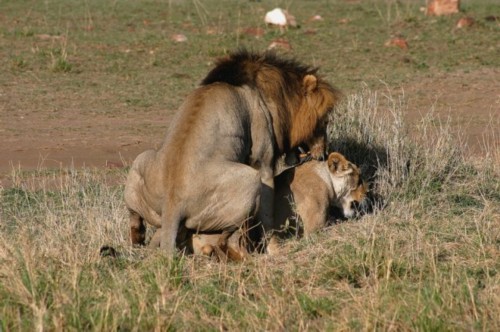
{"x":137,"y":228}
{"x":266,"y":208}
{"x":317,"y":143}
{"x":170,"y":222}
{"x":317,"y":147}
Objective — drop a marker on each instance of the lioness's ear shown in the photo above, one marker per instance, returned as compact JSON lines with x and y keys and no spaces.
{"x":310,"y":83}
{"x":336,"y":162}
{"x":333,"y":162}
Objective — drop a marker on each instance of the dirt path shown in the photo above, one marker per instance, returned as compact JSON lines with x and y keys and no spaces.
{"x":53,"y":132}
{"x":470,"y":100}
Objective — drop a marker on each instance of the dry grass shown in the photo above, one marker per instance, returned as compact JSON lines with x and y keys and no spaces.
{"x":427,"y":259}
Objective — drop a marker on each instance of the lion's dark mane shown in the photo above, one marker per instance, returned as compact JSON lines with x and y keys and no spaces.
{"x":241,"y":68}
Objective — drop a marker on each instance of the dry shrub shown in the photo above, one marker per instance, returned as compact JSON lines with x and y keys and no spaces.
{"x":372,"y":133}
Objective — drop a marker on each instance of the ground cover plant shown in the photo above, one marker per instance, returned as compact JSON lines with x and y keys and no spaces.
{"x":426,"y":259}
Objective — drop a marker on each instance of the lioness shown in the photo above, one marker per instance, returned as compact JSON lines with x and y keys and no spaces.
{"x":312,"y":189}
{"x":215,"y":167}
{"x":306,"y":192}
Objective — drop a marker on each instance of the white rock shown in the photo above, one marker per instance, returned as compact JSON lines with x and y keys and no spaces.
{"x":276,"y":16}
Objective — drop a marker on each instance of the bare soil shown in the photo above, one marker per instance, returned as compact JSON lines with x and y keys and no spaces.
{"x":470,"y":101}
{"x":55,"y":132}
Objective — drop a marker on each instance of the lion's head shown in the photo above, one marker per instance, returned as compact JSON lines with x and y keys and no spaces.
{"x":298,"y":99}
{"x":309,"y":122}
{"x":350,"y":188}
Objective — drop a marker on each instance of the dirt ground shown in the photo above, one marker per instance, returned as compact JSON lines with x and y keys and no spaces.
{"x":471,"y":101}
{"x":34,"y":135}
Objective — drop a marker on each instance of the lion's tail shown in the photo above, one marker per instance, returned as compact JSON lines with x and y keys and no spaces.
{"x":108,"y":251}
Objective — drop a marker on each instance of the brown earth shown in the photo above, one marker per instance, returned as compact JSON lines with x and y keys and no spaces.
{"x":470,"y":101}
{"x":53,"y":133}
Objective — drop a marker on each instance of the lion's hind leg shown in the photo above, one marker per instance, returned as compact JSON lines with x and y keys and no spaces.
{"x":225,"y":246}
{"x":138,"y":222}
{"x":137,"y":228}
{"x":155,"y":240}
{"x":211,"y":245}
{"x":220,"y":249}
{"x":228,"y":247}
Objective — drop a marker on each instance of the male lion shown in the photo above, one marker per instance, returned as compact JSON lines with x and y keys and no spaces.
{"x":306,"y":192}
{"x":215,"y":167}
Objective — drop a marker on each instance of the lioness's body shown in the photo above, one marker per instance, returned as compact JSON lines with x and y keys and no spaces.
{"x":214,"y":170}
{"x":312,"y":189}
{"x":305,"y":193}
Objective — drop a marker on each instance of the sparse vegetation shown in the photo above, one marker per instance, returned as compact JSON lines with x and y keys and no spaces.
{"x":426,"y":259}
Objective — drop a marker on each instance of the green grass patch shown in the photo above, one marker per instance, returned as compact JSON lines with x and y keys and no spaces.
{"x":426,"y":259}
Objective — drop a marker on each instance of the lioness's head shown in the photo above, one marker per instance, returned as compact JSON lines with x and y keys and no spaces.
{"x":348,"y":185}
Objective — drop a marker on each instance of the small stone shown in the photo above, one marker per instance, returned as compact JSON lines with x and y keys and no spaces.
{"x":465,"y":22}
{"x":442,"y":7}
{"x":399,"y":42}
{"x":178,"y":37}
{"x":280,"y":43}
{"x":280,"y":17}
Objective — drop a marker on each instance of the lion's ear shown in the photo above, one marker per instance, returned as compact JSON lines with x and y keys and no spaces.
{"x":310,"y":83}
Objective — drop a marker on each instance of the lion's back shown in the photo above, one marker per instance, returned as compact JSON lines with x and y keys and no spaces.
{"x":214,"y":122}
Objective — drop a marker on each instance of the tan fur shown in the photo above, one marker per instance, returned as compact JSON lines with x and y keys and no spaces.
{"x":310,"y":190}
{"x":215,"y":169}
{"x":225,"y":246}
{"x":307,"y":192}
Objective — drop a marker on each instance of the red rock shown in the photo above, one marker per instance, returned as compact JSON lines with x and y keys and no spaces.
{"x":442,"y":7}
{"x":464,"y":22}
{"x":280,"y":43}
{"x":399,"y":42}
